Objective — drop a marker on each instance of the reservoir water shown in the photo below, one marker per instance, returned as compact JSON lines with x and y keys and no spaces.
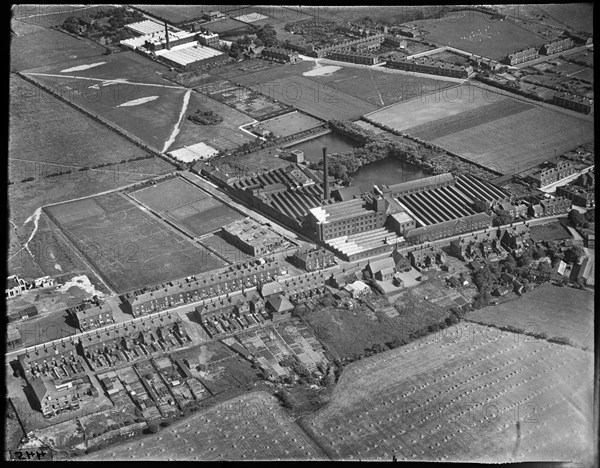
{"x":386,"y":171}
{"x":313,"y":149}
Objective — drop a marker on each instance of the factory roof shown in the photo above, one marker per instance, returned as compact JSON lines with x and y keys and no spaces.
{"x":419,"y":183}
{"x":145,"y":27}
{"x":189,"y":53}
{"x":402,"y":217}
{"x":342,"y":210}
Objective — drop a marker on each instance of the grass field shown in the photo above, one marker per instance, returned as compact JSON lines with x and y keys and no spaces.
{"x":183,"y":204}
{"x":130,"y":247}
{"x":38,"y":119}
{"x":549,"y":232}
{"x":349,"y":332}
{"x":223,"y":136}
{"x":250,"y":427}
{"x":115,"y":88}
{"x":479,"y":34}
{"x":492,"y":129}
{"x":458,"y":396}
{"x":181,"y":13}
{"x":322,"y":102}
{"x":289,"y":124}
{"x":577,"y":16}
{"x":40,"y":46}
{"x":244,"y":67}
{"x":557,"y":312}
{"x":378,"y":87}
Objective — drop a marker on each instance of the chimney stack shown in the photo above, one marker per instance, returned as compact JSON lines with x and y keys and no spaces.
{"x":325,"y":175}
{"x":167,"y":36}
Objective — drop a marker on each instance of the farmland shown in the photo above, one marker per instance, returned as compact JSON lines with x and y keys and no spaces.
{"x":224,"y":136}
{"x":251,"y":427}
{"x":183,"y":13}
{"x":129,"y":247}
{"x":552,"y":310}
{"x":289,"y":124}
{"x":488,"y":128}
{"x":243,"y":100}
{"x":432,"y":399}
{"x":183,"y":204}
{"x":479,"y":34}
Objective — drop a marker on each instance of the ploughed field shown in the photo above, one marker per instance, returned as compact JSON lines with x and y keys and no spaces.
{"x":466,"y":393}
{"x":555,"y":311}
{"x":250,"y":427}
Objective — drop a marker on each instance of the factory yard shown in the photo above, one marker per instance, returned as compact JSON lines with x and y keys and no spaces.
{"x":128,"y":246}
{"x":431,"y":399}
{"x":251,"y":427}
{"x":550,"y":310}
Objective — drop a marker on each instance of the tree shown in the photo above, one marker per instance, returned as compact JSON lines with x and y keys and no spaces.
{"x":576,"y":218}
{"x":573,"y":254}
{"x":153,"y":428}
{"x":525,"y":259}
{"x":544,"y":271}
{"x":590,"y":215}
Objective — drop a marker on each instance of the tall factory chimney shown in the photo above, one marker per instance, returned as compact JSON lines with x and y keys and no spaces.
{"x":167,"y":36}
{"x":325,"y":175}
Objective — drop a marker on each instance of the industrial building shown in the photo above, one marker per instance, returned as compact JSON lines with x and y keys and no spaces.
{"x":142,"y":28}
{"x":431,"y":67}
{"x":190,"y":55}
{"x":252,"y":238}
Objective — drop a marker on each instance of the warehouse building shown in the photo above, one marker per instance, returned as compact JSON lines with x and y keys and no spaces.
{"x":252,"y":238}
{"x":190,"y":55}
{"x":143,"y":28}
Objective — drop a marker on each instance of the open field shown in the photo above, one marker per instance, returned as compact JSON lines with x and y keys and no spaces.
{"x":434,"y":106}
{"x":53,"y":15}
{"x":182,"y":13}
{"x":379,"y":88}
{"x":183,"y":204}
{"x":350,"y":332}
{"x":250,"y":427}
{"x":244,"y":67}
{"x":479,"y":34}
{"x":223,"y":136}
{"x":323,"y":102}
{"x":244,"y":100}
{"x":38,"y":119}
{"x":116,"y":87}
{"x":289,"y":124}
{"x":492,"y":129}
{"x":549,"y":232}
{"x":576,"y":16}
{"x":47,"y":47}
{"x":521,"y":399}
{"x":520,"y":141}
{"x":556,"y":311}
{"x":130,"y":247}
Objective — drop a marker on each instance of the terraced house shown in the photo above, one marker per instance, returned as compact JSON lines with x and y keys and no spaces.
{"x":190,"y":290}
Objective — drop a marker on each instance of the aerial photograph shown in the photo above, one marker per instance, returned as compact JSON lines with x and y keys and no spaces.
{"x":301,"y":233}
